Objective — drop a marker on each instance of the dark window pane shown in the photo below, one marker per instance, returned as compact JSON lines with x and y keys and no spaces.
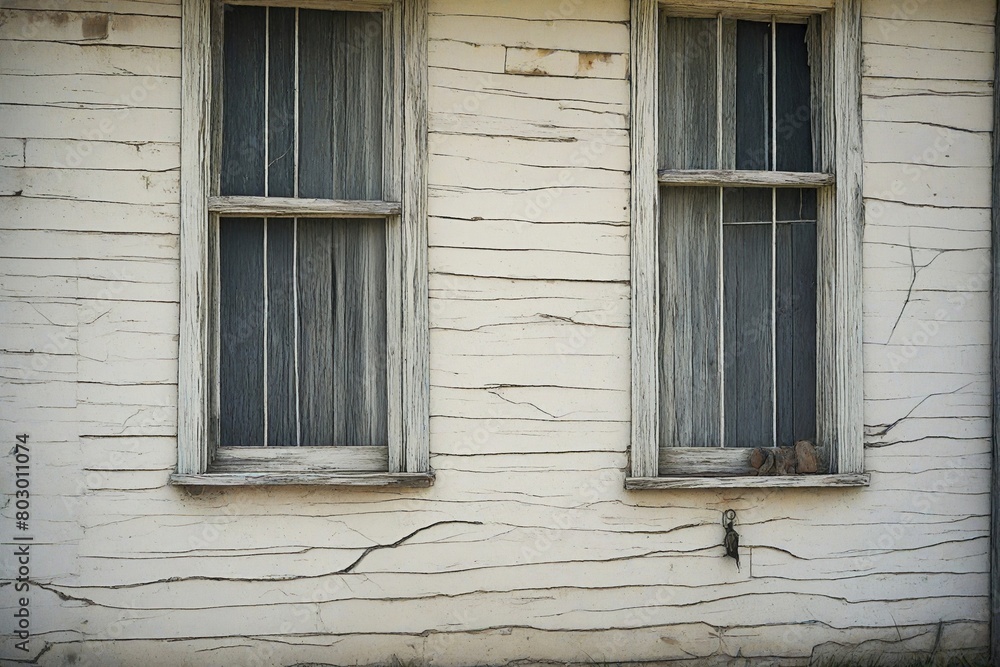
{"x":689,"y":379}
{"x":340,"y":104}
{"x":688,"y":124}
{"x":793,"y":109}
{"x":242,"y":171}
{"x":814,"y":30}
{"x":796,"y":204}
{"x":340,"y":112}
{"x":342,"y":332}
{"x":281,"y":393}
{"x":281,"y":103}
{"x":753,"y":95}
{"x":728,"y":101}
{"x":241,"y":319}
{"x":747,"y":205}
{"x":747,"y":307}
{"x":795,"y":335}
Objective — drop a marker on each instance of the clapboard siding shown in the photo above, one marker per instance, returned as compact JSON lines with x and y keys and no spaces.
{"x":91,"y":91}
{"x":44,"y":58}
{"x":126,"y":7}
{"x":527,"y":548}
{"x":969,"y":13}
{"x":945,"y":147}
{"x":135,"y":187}
{"x":89,"y":28}
{"x":89,"y":217}
{"x":123,"y":125}
{"x":933,"y":35}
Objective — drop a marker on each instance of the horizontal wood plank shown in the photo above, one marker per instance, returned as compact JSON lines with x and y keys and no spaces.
{"x":715,"y":461}
{"x":744,"y":179}
{"x":798,"y":481}
{"x":299,"y":459}
{"x":401,"y":480}
{"x":330,"y":5}
{"x":289,"y":207}
{"x":782,"y":9}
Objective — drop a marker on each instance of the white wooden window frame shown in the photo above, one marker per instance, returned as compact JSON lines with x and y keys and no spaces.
{"x":840,"y":394}
{"x":405,"y":461}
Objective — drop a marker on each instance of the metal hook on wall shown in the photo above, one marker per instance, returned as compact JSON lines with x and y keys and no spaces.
{"x":732,"y":539}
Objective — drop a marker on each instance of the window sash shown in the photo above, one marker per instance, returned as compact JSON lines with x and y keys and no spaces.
{"x":313,"y":388}
{"x":394,"y":104}
{"x":839,"y":390}
{"x":403,"y":208}
{"x":705,"y":65}
{"x":266,"y":206}
{"x":736,"y":353}
{"x":723,"y":379}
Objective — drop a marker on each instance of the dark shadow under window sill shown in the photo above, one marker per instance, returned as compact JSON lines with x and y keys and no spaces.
{"x":790,"y":481}
{"x":331,"y":479}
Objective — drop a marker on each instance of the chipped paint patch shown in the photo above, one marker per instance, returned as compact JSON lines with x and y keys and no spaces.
{"x":550,"y":62}
{"x":95,"y":27}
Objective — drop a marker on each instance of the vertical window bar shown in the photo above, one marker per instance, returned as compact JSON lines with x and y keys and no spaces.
{"x":718,"y":91}
{"x":722,"y":327}
{"x":295,"y":111}
{"x":774,"y":316}
{"x":267,"y":100}
{"x":295,"y":326}
{"x":267,"y":319}
{"x":774,"y":94}
{"x":295,"y":239}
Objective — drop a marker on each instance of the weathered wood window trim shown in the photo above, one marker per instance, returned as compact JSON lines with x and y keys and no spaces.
{"x":405,"y":461}
{"x":839,"y":229}
{"x":995,"y":365}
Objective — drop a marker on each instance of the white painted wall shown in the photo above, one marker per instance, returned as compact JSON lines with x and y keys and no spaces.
{"x":527,"y":547}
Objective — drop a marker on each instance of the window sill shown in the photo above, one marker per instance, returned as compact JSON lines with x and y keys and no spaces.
{"x":741,"y":482}
{"x":332,"y":479}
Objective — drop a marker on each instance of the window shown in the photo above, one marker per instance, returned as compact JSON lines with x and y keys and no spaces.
{"x":304,"y":298}
{"x":746,"y":242}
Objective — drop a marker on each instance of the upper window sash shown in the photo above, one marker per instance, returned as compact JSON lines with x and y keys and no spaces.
{"x":739,"y":99}
{"x":292,"y":106}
